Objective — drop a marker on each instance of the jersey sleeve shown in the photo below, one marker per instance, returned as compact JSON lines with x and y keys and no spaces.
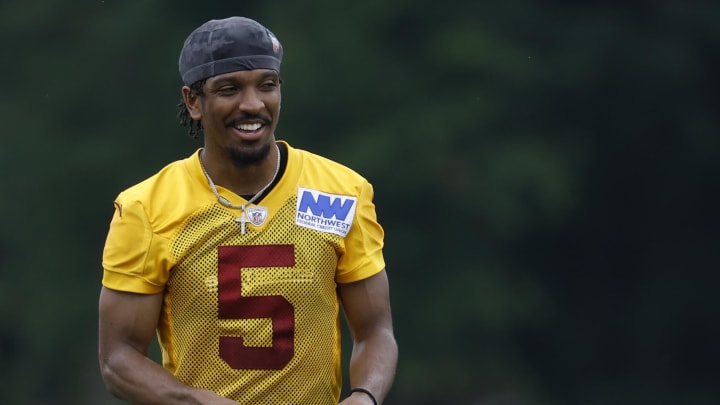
{"x":134,"y":257}
{"x":363,"y":255}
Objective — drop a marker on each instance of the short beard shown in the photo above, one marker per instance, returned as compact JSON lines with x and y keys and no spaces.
{"x":243,"y":159}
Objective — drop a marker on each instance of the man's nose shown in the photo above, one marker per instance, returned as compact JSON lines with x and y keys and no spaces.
{"x":250,"y":101}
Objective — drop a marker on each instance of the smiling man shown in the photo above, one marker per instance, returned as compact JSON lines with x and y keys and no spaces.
{"x":241,"y":257}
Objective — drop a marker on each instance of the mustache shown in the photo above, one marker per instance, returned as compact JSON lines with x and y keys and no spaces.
{"x":250,"y":117}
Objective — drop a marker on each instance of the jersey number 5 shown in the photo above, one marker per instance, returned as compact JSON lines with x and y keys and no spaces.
{"x":233,"y":305}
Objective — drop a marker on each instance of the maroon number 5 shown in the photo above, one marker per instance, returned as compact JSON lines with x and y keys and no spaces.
{"x":233,"y":305}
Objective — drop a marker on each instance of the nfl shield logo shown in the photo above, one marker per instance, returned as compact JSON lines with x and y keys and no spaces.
{"x":257,"y":215}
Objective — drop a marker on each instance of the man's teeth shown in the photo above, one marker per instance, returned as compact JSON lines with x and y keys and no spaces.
{"x":249,"y":127}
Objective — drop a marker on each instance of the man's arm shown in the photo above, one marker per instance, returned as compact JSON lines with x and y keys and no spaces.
{"x":374,"y":356}
{"x":127,"y":324}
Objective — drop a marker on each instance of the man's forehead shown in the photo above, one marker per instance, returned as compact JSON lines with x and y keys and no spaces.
{"x":244,"y":75}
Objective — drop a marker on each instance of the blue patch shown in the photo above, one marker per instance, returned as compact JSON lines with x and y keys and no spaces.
{"x":325,"y":212}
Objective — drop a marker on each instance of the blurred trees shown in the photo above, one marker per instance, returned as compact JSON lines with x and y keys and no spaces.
{"x":546,"y":173}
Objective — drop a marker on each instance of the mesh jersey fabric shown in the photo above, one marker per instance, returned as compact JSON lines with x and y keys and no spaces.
{"x":253,"y":317}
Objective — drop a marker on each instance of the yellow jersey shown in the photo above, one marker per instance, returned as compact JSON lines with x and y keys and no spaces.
{"x":254,"y":317}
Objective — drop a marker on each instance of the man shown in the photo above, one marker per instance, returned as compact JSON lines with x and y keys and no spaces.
{"x":241,"y":257}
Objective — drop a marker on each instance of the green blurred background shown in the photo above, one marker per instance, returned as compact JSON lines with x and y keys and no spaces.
{"x":546,"y":172}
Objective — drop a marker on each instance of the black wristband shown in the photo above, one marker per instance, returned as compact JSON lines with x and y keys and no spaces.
{"x":364,"y":391}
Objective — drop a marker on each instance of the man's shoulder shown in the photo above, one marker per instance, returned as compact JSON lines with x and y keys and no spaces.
{"x":314,"y":163}
{"x":162,"y":182}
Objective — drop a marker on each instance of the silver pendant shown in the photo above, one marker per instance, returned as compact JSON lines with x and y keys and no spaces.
{"x":256,"y":215}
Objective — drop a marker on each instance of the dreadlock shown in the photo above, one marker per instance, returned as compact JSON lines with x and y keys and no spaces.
{"x":194,"y":127}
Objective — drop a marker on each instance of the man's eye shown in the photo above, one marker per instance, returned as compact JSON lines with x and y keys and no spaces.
{"x":269,"y":85}
{"x":227,"y":90}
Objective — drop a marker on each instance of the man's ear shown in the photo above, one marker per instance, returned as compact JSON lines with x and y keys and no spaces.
{"x":192,"y":103}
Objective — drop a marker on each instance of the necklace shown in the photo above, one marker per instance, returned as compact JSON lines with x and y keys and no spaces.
{"x":243,"y":218}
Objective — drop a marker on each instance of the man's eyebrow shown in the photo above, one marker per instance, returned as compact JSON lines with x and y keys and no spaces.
{"x":271,"y":74}
{"x":223,"y":80}
{"x":232,"y":80}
